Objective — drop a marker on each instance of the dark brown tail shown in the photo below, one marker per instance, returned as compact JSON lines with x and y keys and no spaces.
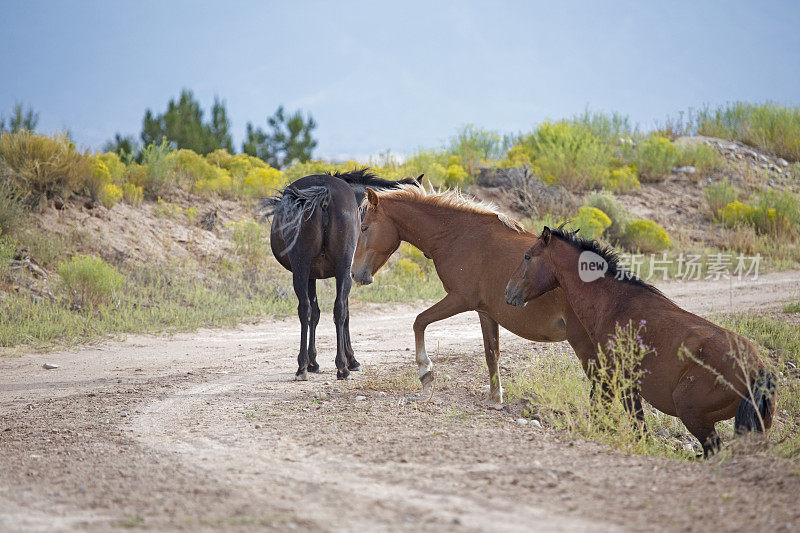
{"x":755,"y":412}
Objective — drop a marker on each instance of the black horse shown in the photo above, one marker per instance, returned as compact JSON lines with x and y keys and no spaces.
{"x":314,"y":233}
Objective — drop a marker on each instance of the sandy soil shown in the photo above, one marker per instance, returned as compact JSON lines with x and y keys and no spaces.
{"x":207,"y":431}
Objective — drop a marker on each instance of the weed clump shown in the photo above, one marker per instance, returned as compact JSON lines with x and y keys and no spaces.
{"x":89,"y":281}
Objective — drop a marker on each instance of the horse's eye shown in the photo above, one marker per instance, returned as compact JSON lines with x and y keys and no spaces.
{"x":527,"y":257}
{"x":364,"y":228}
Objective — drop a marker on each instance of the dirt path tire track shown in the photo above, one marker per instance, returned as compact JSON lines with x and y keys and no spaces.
{"x":315,"y":465}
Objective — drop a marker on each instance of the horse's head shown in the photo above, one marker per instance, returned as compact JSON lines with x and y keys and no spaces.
{"x":378,"y":240}
{"x":535,"y":275}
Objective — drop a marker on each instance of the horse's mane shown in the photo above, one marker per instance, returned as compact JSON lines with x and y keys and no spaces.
{"x":366,"y":178}
{"x":449,"y":198}
{"x":611,"y":257}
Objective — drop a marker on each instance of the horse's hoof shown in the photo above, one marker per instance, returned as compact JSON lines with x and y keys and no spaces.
{"x":301,"y":376}
{"x":355,"y":367}
{"x":314,"y":368}
{"x":426,"y":379}
{"x":343,"y":375}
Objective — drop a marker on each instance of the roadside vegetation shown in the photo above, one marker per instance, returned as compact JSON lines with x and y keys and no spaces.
{"x":66,"y":285}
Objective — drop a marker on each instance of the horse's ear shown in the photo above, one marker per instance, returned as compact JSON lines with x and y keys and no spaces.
{"x":419,"y":179}
{"x":372,"y":198}
{"x":545,"y":236}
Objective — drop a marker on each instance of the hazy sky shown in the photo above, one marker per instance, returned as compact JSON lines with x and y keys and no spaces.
{"x":391,"y":75}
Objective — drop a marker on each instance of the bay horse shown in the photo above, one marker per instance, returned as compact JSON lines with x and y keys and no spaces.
{"x":313,"y":235}
{"x":695,"y":370}
{"x":474,"y":248}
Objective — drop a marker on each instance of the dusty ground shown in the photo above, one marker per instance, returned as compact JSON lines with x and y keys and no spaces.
{"x":207,"y":430}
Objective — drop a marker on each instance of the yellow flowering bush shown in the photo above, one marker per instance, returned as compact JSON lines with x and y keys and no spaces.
{"x":735,"y":213}
{"x":516,"y":156}
{"x":591,"y":222}
{"x":263,"y":181}
{"x":109,"y":195}
{"x":116,"y":168}
{"x":646,"y":236}
{"x":622,"y":179}
{"x":98,"y":177}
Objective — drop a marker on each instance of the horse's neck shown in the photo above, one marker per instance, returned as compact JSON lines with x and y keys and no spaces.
{"x":590,"y":301}
{"x":429,"y":228}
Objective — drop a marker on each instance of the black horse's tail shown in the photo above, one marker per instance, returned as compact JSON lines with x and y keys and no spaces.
{"x":755,"y":411}
{"x":292,"y":206}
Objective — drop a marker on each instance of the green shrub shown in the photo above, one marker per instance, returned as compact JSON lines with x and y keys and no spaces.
{"x":591,"y":222}
{"x":610,"y":128}
{"x":719,"y":195}
{"x":158,"y":175}
{"x":654,"y":158}
{"x":38,"y":165}
{"x":617,"y":214}
{"x":768,"y":126}
{"x":89,"y":281}
{"x":568,"y":154}
{"x":475,"y":146}
{"x":702,"y":157}
{"x":166,"y":209}
{"x":646,"y":236}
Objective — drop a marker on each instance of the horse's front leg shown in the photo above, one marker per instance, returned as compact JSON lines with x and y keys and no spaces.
{"x":450,"y":305}
{"x":491,"y":345}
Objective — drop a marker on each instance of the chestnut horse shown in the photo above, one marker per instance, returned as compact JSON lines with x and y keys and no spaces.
{"x":695,"y":370}
{"x":474,"y":249}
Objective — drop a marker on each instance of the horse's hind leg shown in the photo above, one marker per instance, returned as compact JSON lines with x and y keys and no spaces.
{"x":491,"y":344}
{"x":343,"y":285}
{"x":690,"y":398}
{"x":633,"y":404}
{"x":300,"y":282}
{"x":312,"y":326}
{"x":352,"y":364}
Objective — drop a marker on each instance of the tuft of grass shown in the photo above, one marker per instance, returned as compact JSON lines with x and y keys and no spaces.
{"x":768,"y":126}
{"x":792,"y":306}
{"x":13,"y":212}
{"x":251,"y":244}
{"x":719,"y":195}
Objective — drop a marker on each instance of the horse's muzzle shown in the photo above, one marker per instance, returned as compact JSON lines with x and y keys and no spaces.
{"x":514,"y":296}
{"x":362,"y":276}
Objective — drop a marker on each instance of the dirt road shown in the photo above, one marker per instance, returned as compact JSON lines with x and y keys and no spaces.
{"x":206,"y":430}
